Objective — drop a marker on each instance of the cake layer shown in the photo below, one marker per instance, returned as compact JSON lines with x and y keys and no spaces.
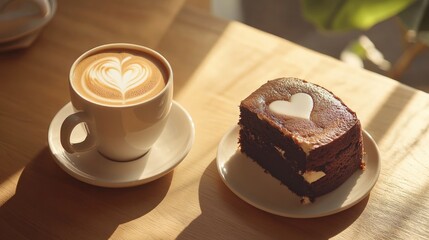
{"x":284,"y":160}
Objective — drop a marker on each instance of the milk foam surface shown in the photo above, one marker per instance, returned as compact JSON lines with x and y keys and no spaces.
{"x":119,"y":77}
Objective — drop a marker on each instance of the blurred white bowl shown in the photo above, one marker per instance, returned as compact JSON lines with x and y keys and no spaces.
{"x":22,"y":20}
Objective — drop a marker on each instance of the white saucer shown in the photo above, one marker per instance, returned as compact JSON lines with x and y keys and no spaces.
{"x":91,"y":167}
{"x":249,"y":182}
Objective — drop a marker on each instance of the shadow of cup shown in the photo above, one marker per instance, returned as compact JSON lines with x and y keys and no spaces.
{"x":48,"y":203}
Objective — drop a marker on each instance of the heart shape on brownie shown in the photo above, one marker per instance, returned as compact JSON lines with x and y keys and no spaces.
{"x":299,"y":106}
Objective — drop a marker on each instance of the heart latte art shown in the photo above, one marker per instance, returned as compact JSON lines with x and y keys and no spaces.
{"x":119,"y":78}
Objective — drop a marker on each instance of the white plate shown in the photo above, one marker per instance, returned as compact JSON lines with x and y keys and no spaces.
{"x":249,"y":182}
{"x":91,"y":167}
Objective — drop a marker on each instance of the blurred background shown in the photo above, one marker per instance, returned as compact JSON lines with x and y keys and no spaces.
{"x":391,"y":43}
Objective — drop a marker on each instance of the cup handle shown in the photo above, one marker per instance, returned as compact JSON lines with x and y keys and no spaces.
{"x":66,"y":130}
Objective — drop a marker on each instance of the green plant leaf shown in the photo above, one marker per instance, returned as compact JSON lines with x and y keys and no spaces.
{"x":350,"y":14}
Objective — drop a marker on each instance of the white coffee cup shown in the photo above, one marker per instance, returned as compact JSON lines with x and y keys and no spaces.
{"x":119,"y":130}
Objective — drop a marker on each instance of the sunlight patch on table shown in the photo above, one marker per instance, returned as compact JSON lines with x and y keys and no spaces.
{"x":8,"y":187}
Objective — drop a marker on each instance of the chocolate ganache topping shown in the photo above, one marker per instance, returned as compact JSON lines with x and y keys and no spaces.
{"x":329,"y":118}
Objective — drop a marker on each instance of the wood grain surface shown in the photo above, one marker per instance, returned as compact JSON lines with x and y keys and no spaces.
{"x":216,"y":64}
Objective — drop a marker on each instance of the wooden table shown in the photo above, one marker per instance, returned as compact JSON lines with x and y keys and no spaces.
{"x":216,"y":63}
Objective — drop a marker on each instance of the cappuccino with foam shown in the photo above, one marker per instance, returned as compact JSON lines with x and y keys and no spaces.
{"x":119,"y":77}
{"x":123,"y":94}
